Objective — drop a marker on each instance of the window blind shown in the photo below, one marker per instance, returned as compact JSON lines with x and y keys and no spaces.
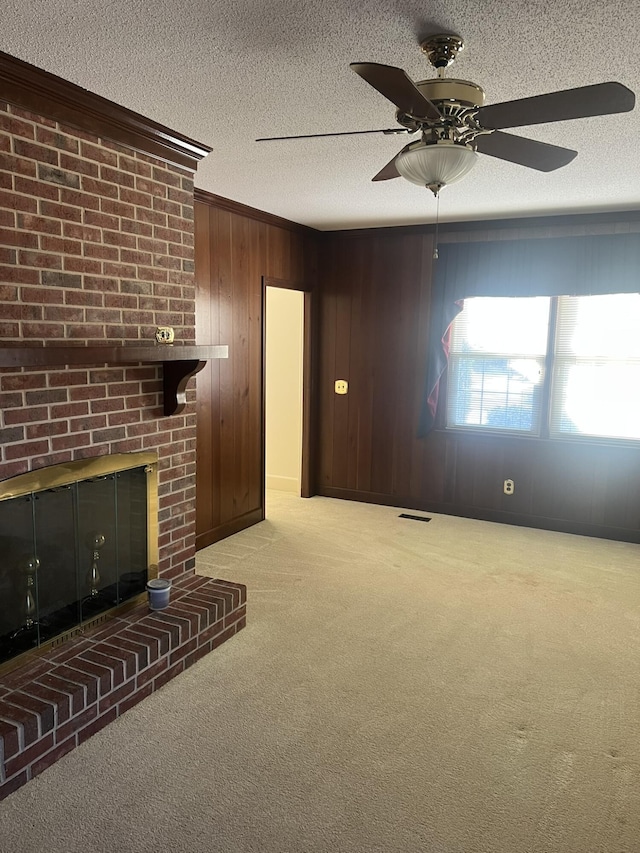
{"x":497,"y":364}
{"x":595,"y":387}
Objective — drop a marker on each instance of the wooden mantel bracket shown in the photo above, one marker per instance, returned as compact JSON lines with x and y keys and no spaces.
{"x":180,"y":362}
{"x":176,"y":376}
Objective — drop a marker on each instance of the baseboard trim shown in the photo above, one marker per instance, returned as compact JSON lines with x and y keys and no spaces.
{"x":283,"y":484}
{"x":235,"y":525}
{"x":559,"y":525}
{"x":370,"y":497}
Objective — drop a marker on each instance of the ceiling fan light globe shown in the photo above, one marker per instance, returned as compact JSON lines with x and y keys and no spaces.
{"x":439,"y":163}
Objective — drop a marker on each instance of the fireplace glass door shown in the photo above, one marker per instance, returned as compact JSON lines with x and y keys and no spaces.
{"x":70,"y":553}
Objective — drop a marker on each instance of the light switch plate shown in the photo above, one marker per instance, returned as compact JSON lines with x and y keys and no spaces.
{"x":342,"y":386}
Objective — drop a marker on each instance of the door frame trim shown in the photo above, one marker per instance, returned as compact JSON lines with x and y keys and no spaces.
{"x":307,"y":479}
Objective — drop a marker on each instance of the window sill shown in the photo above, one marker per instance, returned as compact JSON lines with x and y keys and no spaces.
{"x":493,"y":435}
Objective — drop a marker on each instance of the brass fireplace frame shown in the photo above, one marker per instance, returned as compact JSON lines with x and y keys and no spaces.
{"x":71,"y":472}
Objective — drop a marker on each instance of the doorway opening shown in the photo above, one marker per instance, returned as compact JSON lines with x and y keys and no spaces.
{"x":284,"y":381}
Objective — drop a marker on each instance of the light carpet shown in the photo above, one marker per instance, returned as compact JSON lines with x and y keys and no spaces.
{"x":450,"y":687}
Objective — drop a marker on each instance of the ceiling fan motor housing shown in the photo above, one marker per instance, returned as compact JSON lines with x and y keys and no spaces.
{"x":457,"y":102}
{"x":463,"y":92}
{"x":452,"y":97}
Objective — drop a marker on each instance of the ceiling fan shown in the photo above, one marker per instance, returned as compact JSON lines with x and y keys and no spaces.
{"x":454,"y":124}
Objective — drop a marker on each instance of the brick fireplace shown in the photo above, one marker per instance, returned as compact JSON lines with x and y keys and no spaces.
{"x":96,"y":251}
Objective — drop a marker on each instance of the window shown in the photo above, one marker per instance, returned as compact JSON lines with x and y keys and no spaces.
{"x":563,"y":367}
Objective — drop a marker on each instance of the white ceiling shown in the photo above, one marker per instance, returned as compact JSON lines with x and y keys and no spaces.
{"x":227,"y":71}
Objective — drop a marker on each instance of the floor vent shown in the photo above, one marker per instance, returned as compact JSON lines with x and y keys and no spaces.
{"x":414,"y":517}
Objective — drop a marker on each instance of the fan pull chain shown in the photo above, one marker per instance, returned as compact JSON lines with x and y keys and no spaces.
{"x":435,"y":239}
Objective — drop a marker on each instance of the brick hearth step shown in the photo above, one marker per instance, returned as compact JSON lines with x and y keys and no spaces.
{"x":55,"y":702}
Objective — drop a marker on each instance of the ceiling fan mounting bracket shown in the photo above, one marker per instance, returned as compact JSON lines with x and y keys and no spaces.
{"x":442,"y":49}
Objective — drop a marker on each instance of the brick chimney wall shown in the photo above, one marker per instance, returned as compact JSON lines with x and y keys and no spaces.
{"x":96,"y":247}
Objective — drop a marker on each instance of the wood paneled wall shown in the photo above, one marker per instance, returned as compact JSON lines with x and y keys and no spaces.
{"x":588,"y":488}
{"x":374,"y":317}
{"x":372,"y":304}
{"x":235,"y":248}
{"x":374,"y":292}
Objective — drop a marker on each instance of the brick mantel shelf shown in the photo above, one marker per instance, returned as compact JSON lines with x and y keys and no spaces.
{"x":180,"y":362}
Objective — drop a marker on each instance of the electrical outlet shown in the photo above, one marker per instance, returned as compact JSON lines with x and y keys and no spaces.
{"x":342,"y":386}
{"x":164,"y":335}
{"x":509,"y":487}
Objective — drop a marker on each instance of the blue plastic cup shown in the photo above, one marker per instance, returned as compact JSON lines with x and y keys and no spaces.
{"x":159,"y":591}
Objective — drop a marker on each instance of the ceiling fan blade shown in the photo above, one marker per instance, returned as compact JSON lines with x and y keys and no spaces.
{"x":598,"y":100}
{"x":525,"y":152}
{"x":387,"y":172}
{"x":396,"y":85}
{"x":388,"y":131}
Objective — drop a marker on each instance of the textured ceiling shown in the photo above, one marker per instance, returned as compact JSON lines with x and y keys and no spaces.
{"x":227,"y":71}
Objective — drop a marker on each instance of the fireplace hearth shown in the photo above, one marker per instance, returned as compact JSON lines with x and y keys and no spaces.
{"x":59,"y":699}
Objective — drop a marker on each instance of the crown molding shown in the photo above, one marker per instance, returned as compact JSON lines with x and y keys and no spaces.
{"x":26,"y":86}
{"x":251,"y":212}
{"x":548,"y":225}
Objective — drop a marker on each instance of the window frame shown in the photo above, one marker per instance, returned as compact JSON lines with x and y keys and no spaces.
{"x":544,"y":433}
